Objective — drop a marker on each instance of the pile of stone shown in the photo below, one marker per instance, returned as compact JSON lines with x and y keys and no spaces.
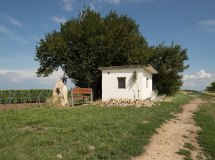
{"x":128,"y":103}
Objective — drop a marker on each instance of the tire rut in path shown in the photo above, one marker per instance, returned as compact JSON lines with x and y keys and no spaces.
{"x":172,"y":136}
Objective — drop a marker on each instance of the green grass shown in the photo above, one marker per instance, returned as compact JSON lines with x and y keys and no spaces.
{"x":205,"y":118}
{"x":189,"y":146}
{"x":81,"y":133}
{"x":186,"y":153}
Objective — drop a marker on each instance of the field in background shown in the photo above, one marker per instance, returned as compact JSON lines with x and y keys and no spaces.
{"x":24,"y":96}
{"x":89,"y":132}
{"x":205,"y":118}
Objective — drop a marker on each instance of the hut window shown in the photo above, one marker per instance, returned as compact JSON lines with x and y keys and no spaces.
{"x":121,"y":82}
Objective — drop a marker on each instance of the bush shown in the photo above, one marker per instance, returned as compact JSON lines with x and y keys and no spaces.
{"x":211,"y":88}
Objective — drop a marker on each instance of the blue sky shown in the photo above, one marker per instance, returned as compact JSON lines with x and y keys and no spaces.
{"x":190,"y":23}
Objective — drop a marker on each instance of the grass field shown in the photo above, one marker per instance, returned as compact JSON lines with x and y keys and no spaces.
{"x":89,"y":132}
{"x":205,"y":118}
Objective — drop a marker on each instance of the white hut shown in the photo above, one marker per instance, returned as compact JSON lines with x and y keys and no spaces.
{"x":133,"y":82}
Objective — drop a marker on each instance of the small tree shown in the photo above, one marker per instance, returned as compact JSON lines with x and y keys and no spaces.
{"x":133,"y":81}
{"x":169,"y":62}
{"x":211,"y":87}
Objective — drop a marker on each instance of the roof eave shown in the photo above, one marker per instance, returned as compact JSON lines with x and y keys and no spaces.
{"x":149,"y":68}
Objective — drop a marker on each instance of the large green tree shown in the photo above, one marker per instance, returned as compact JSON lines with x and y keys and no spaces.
{"x":89,"y":41}
{"x":170,"y":63}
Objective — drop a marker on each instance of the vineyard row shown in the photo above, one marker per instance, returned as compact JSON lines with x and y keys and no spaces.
{"x":24,"y":96}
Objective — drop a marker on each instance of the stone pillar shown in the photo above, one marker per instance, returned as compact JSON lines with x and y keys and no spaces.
{"x":59,"y":94}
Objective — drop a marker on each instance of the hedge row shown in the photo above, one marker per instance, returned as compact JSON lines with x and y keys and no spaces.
{"x":24,"y":96}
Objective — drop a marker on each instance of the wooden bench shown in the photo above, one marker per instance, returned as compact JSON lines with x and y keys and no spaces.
{"x":81,"y":93}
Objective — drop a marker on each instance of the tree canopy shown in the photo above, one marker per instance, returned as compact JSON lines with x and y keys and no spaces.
{"x":169,"y":62}
{"x":211,"y":87}
{"x":90,"y":41}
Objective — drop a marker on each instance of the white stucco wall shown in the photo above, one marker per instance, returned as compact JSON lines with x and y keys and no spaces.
{"x":147,"y":89}
{"x":110,"y":84}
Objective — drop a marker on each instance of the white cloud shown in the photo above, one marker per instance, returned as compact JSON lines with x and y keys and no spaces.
{"x":12,"y":35}
{"x":202,"y":74}
{"x":198,"y":81}
{"x":16,"y":75}
{"x":20,"y":56}
{"x":210,"y":30}
{"x":15,"y":22}
{"x":122,"y":1}
{"x":58,"y":20}
{"x":92,"y":5}
{"x":131,"y":1}
{"x":18,"y":38}
{"x":5,"y":30}
{"x":22,"y":75}
{"x":11,"y":20}
{"x":189,"y":84}
{"x":4,"y":60}
{"x":197,"y":84}
{"x":12,"y":59}
{"x":113,"y":1}
{"x":208,"y":25}
{"x":27,"y":79}
{"x":68,"y":5}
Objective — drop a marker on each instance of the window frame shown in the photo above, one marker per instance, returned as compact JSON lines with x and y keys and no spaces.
{"x":119,"y":84}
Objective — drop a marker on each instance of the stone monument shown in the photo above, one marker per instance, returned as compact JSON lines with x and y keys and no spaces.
{"x":59,"y":94}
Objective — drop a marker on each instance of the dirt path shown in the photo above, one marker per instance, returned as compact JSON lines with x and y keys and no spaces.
{"x":172,"y":136}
